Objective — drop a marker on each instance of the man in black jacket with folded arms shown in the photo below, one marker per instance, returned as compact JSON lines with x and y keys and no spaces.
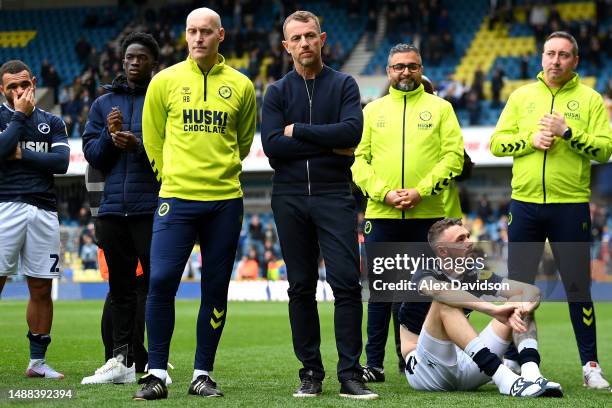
{"x":312,"y":121}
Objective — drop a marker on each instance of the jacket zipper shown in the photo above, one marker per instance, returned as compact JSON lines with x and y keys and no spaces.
{"x":552,"y":106}
{"x":310,"y":123}
{"x":127,"y":159}
{"x":403,"y":148}
{"x":205,"y":84}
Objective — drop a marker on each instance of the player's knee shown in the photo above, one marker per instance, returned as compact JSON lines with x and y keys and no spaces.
{"x":161,"y":284}
{"x":349,"y":293}
{"x":40,"y":290}
{"x":302,"y":288}
{"x":446,"y":310}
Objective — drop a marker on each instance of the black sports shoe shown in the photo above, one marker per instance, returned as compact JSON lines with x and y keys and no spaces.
{"x":356,"y":389}
{"x":205,"y":387}
{"x":309,"y":387}
{"x":373,"y":374}
{"x":153,"y":389}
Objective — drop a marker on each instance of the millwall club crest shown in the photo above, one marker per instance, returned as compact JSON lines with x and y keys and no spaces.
{"x":573,"y":105}
{"x":425,"y":116}
{"x":225,"y":92}
{"x":44,"y":128}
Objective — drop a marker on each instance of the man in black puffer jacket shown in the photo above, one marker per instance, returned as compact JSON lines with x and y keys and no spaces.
{"x":112,"y":143}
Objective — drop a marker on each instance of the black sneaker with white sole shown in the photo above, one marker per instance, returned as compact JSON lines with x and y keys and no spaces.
{"x":551,"y":389}
{"x":204,"y":386}
{"x":309,"y":387}
{"x":373,"y":374}
{"x":153,"y":388}
{"x":356,"y":389}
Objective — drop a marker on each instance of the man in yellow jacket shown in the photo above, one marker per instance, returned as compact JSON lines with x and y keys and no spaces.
{"x":553,"y":128}
{"x":198,"y":125}
{"x":410,"y":151}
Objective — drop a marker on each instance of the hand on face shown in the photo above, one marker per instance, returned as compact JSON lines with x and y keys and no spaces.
{"x":25,"y":102}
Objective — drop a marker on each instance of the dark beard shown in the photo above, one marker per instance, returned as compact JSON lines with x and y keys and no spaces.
{"x":406,"y":86}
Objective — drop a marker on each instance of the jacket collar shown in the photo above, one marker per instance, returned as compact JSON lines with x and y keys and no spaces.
{"x":397,"y":94}
{"x":120,"y":85}
{"x":572,"y":83}
{"x":215,"y":68}
{"x":325,"y":71}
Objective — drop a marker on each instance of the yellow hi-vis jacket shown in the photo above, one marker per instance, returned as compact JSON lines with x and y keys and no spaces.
{"x":410,"y":140}
{"x":197,"y":128}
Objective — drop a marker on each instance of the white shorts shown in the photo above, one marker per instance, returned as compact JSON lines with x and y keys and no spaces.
{"x":32,"y":235}
{"x":438,"y":365}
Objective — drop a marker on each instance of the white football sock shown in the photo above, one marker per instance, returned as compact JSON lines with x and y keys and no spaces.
{"x":159,"y":373}
{"x":530,"y":371}
{"x":504,"y":378}
{"x":197,"y":373}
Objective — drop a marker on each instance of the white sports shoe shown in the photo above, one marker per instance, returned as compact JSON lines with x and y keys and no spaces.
{"x":40,"y":369}
{"x":112,"y":372}
{"x":168,"y":379}
{"x":593,"y":379}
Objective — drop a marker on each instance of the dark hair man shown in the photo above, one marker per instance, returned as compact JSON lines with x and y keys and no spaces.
{"x":410,"y":151}
{"x":449,"y":354}
{"x":33,"y":147}
{"x":112,"y":144}
{"x":312,"y":121}
{"x":553,"y":128}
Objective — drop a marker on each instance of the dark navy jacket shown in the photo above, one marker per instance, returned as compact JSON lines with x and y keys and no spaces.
{"x":305,"y":164}
{"x":131,"y":187}
{"x":45,"y":151}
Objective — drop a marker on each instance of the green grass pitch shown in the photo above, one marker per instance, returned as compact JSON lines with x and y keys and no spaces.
{"x":256,"y":366}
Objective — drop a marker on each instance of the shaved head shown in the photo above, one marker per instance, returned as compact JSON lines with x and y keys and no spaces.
{"x":203,"y":33}
{"x":205,"y":12}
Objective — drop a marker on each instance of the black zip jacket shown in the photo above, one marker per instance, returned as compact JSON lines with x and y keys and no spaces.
{"x":326,"y":113}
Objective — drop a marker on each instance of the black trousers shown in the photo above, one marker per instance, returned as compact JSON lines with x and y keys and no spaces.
{"x":125,"y":240}
{"x":140,"y":352}
{"x":380,"y":313}
{"x":307,"y":226}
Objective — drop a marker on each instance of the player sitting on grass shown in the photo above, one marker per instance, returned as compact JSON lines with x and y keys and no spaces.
{"x":449,"y":354}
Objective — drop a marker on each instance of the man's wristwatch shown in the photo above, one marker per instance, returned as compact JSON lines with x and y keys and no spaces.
{"x":567,"y":134}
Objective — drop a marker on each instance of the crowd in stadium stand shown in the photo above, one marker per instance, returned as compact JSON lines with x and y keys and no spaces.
{"x":427,"y":23}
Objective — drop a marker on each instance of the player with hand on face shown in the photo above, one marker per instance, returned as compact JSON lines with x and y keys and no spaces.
{"x":33,"y":147}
